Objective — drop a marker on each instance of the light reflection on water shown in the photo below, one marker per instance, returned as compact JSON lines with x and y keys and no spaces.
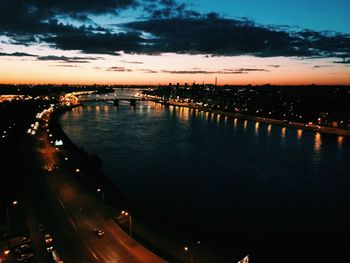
{"x":283,"y":132}
{"x":235,"y":121}
{"x":300,"y":134}
{"x":318,"y":142}
{"x":317,"y":150}
{"x":245,"y":125}
{"x":269,"y":129}
{"x":192,"y":162}
{"x":257,"y":128}
{"x":340,"y":142}
{"x":184,"y":114}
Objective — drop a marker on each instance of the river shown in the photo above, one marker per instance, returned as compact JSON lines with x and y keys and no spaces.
{"x":241,"y":186}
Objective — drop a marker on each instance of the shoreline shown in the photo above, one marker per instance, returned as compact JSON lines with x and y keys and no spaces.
{"x":290,"y":124}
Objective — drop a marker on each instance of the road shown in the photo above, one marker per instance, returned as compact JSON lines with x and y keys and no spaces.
{"x":70,"y":213}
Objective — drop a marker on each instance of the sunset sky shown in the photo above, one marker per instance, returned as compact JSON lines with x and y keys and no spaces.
{"x":162,"y":41}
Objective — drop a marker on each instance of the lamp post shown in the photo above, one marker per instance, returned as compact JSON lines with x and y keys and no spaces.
{"x":125,"y":213}
{"x":188,"y":250}
{"x":103,"y":199}
{"x":14,"y":203}
{"x":191,"y":251}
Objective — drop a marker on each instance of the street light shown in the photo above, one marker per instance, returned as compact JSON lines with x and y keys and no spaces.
{"x":103,"y":199}
{"x":125,"y":213}
{"x":191,"y":250}
{"x":14,"y":203}
{"x":187,"y":250}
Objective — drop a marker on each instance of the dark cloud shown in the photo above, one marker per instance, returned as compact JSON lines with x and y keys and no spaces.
{"x":63,"y":59}
{"x":145,"y":70}
{"x":344,"y":61}
{"x":191,"y":72}
{"x":65,"y":66}
{"x":93,"y":39}
{"x":247,"y":70}
{"x":16,"y":54}
{"x":224,"y":71}
{"x":132,"y":62}
{"x":218,"y":36}
{"x":321,"y":66}
{"x":31,"y":16}
{"x":25,"y":16}
{"x":274,"y":66}
{"x":67,"y":59}
{"x":88,"y":39}
{"x":33,"y":21}
{"x":119,"y":69}
{"x":161,"y":9}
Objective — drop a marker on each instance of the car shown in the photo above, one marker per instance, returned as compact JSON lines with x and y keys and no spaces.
{"x":48,"y":239}
{"x":49,"y":247}
{"x":25,"y":257}
{"x":23,"y":249}
{"x":99,"y":232}
{"x":17,"y":241}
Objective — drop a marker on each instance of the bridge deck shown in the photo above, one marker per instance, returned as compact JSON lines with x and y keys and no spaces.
{"x":108,"y":99}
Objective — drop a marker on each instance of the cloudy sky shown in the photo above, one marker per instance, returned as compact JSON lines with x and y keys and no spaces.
{"x":162,"y":41}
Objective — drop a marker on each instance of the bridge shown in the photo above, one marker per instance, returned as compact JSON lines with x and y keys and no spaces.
{"x":115,"y":101}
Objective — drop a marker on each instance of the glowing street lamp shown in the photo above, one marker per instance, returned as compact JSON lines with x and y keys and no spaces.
{"x":191,"y":251}
{"x":14,"y":203}
{"x":188,"y":250}
{"x":125,"y":213}
{"x":99,"y":190}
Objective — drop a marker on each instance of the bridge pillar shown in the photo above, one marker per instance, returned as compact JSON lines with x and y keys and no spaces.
{"x":116,"y":102}
{"x":133,"y":103}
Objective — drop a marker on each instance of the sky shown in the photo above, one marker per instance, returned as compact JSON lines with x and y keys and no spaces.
{"x":162,"y":41}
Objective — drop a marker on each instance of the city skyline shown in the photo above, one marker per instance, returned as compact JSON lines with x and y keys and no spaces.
{"x":157,"y":42}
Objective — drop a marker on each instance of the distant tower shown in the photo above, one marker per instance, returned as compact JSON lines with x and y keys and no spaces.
{"x":216,"y":81}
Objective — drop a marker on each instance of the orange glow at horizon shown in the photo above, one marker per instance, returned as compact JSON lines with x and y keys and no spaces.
{"x":290,"y":71}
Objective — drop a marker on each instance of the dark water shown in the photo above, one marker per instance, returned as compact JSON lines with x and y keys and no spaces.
{"x":278,"y":194}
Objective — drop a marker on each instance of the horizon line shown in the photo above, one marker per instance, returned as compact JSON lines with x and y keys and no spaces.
{"x":174,"y":84}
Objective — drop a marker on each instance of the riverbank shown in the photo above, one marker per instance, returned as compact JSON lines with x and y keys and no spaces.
{"x":159,"y":238}
{"x":283,"y":123}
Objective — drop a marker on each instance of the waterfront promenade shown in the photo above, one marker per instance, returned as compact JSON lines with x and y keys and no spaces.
{"x":292,"y":124}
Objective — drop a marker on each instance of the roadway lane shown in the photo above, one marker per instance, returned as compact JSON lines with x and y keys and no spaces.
{"x":74,"y":212}
{"x":42,"y":207}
